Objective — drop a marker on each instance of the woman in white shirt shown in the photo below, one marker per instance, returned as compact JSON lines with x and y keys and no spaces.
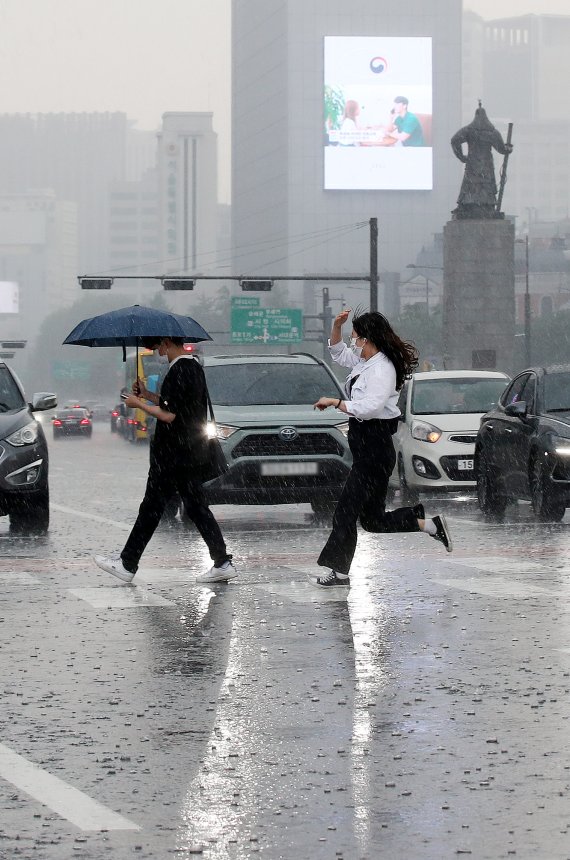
{"x":379,"y":363}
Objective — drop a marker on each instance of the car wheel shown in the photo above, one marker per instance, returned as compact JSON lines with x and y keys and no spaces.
{"x":31,"y":517}
{"x":490,"y":502}
{"x":408,"y":495}
{"x":545,"y":505}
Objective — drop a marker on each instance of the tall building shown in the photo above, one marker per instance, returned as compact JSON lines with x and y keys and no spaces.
{"x":134,"y":246}
{"x":77,"y":155}
{"x":517,"y":66}
{"x":188,"y":192}
{"x":526,"y":59}
{"x":314,"y":86}
{"x":38,"y":254}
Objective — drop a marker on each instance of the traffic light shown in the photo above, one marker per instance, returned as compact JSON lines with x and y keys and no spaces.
{"x":255,"y":284}
{"x":96,"y":283}
{"x":178,"y":283}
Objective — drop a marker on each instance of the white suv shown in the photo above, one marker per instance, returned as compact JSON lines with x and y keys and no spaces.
{"x":435,"y":441}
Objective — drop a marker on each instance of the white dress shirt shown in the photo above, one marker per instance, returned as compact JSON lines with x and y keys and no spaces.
{"x":373,"y":393}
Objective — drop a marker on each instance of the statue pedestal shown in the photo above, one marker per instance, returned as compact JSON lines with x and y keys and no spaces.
{"x":478,"y":294}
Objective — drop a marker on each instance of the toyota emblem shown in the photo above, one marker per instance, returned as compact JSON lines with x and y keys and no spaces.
{"x":288,"y":434}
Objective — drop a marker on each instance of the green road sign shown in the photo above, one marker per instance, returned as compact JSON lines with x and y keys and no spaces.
{"x":267,"y":325}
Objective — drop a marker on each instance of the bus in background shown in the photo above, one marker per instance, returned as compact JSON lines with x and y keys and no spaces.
{"x":148,"y":371}
{"x":151,"y":371}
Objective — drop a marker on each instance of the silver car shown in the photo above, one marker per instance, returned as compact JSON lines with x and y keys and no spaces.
{"x":279,"y":448}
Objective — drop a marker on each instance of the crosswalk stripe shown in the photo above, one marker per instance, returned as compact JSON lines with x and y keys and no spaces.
{"x":74,"y":512}
{"x":62,"y":798}
{"x":119,"y":597}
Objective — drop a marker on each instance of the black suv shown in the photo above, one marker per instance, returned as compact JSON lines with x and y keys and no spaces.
{"x":24,"y":493}
{"x":279,"y":448}
{"x":523,"y":445}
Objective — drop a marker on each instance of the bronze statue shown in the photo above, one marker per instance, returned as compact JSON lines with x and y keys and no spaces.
{"x":478,"y":194}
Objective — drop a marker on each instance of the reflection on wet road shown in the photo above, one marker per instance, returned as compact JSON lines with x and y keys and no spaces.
{"x":423,"y":717}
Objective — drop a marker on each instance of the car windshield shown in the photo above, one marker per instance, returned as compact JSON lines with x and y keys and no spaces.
{"x":557,"y":392}
{"x":268,"y":384}
{"x":461,"y":395}
{"x":10,"y":395}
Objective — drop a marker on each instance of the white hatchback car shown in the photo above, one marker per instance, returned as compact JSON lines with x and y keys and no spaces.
{"x":435,"y":440}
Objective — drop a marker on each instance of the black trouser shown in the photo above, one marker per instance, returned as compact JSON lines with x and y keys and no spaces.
{"x":164,"y":480}
{"x":364,"y":494}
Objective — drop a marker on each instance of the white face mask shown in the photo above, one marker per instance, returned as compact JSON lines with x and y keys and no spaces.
{"x":357,"y":350}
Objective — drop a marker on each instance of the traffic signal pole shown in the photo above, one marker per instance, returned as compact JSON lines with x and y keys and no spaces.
{"x":256,"y":283}
{"x":373,"y":264}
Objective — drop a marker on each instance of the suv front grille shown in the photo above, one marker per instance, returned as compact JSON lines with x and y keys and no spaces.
{"x":270,"y":445}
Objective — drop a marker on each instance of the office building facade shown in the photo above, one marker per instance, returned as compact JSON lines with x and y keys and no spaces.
{"x":304,"y":189}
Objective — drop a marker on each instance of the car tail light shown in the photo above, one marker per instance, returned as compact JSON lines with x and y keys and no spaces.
{"x":85,"y":421}
{"x":114,"y":414}
{"x":56,"y":422}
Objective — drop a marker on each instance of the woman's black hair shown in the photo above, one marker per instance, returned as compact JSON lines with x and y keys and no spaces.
{"x":375,"y":327}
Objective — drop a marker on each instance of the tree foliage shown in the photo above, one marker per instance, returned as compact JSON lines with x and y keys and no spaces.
{"x":423,"y":330}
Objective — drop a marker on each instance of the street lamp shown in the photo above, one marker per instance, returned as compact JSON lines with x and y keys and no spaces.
{"x":414,"y":266}
{"x":527,"y":350}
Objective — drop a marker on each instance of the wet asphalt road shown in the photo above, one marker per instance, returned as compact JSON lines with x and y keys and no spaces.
{"x":424,"y":717}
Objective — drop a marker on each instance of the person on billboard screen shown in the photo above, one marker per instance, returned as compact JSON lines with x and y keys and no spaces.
{"x":406,"y":127}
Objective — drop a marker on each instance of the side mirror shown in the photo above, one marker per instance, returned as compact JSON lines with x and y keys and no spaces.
{"x":516,"y":410}
{"x":43,"y":400}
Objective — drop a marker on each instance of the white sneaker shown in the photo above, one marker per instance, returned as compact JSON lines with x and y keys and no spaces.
{"x":219,"y":574}
{"x":113,"y":566}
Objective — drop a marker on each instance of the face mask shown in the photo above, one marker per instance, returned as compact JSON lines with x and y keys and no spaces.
{"x":357,"y":350}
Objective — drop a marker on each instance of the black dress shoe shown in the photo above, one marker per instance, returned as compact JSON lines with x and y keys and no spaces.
{"x":418,"y":511}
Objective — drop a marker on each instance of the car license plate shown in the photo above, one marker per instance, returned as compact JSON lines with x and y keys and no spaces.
{"x":465,"y":464}
{"x":268,"y":469}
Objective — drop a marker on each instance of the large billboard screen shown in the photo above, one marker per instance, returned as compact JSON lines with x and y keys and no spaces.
{"x":378,"y":113}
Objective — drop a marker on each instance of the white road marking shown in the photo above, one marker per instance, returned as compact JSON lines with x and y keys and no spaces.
{"x":495,"y":587}
{"x":161,"y":574}
{"x":498,"y":563}
{"x":125,"y":527}
{"x":118,"y":597}
{"x":62,"y":798}
{"x":18,"y":578}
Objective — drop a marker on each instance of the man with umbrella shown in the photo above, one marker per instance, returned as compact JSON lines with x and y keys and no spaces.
{"x":177,"y":450}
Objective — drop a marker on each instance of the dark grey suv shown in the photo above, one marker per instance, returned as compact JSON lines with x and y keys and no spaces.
{"x":279,"y":448}
{"x":24,"y":493}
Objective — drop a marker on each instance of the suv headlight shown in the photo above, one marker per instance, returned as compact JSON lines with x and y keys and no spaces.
{"x":25,"y":435}
{"x":561,"y":446}
{"x":343,"y":428}
{"x":425,"y":432}
{"x":222,"y":431}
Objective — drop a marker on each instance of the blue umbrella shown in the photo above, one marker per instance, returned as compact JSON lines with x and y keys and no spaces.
{"x":128,"y":326}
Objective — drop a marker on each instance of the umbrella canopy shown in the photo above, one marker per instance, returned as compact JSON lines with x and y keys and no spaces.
{"x":128,"y":326}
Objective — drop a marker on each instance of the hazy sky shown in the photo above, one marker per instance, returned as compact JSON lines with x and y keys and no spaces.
{"x":143,"y":57}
